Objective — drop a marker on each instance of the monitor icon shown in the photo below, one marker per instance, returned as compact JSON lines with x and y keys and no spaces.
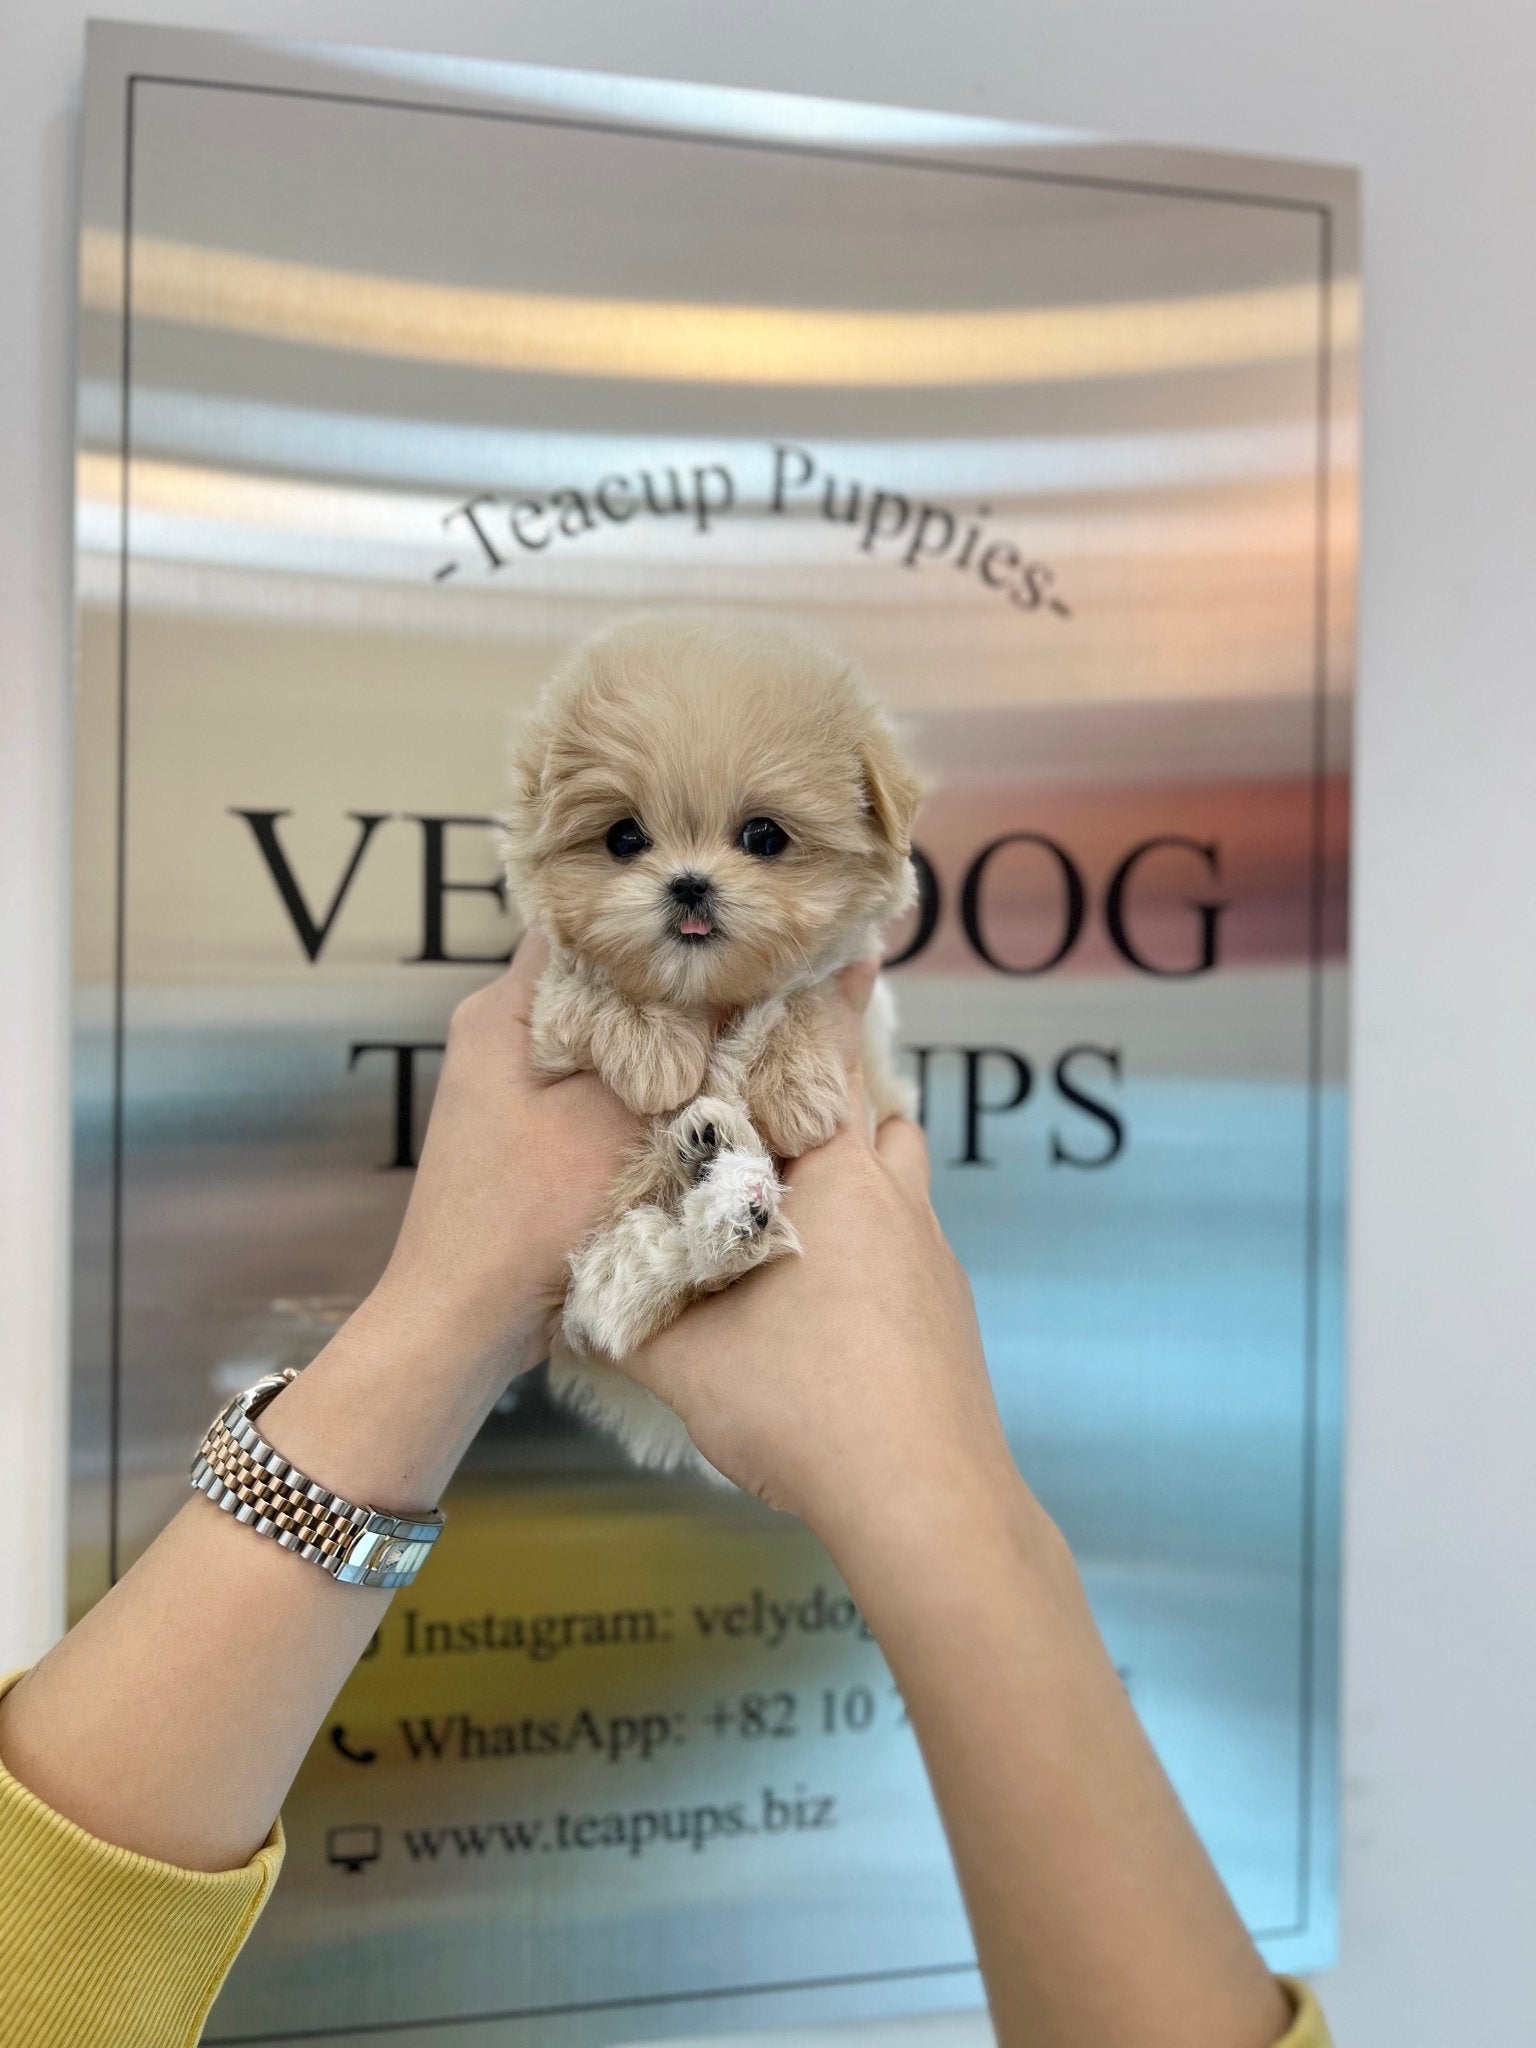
{"x":352,"y":1848}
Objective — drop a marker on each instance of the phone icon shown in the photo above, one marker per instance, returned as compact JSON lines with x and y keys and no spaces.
{"x":353,"y":1756}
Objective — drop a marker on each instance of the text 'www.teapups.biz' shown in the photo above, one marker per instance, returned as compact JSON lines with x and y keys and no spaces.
{"x":636,"y":1831}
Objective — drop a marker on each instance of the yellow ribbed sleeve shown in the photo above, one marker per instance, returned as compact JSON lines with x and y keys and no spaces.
{"x":1309,"y":2029}
{"x":100,"y":1948}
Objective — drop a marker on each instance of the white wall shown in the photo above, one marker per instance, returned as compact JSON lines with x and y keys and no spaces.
{"x":1434,"y":101}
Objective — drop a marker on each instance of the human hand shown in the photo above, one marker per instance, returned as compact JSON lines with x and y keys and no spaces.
{"x":851,"y":1377}
{"x":849,"y":1386}
{"x":513,"y":1174}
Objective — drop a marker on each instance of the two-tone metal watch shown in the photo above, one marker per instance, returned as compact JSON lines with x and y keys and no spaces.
{"x":243,"y":1475}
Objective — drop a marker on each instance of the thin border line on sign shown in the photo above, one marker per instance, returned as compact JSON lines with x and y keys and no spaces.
{"x":1312,"y":1257}
{"x":120,"y":892}
{"x":892,"y":159}
{"x":644,"y":2000}
{"x":1317,"y":911}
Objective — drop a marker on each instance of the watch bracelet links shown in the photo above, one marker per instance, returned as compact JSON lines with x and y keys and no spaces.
{"x":241,"y":1473}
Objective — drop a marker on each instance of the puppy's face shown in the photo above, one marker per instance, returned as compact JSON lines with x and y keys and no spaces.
{"x":703,"y":812}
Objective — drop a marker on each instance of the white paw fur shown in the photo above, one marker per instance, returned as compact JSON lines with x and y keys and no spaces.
{"x":730,"y":1216}
{"x":650,"y":1433}
{"x":635,"y":1278}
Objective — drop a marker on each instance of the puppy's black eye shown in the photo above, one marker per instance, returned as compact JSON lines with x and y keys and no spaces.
{"x":763,"y":838}
{"x":626,"y":840}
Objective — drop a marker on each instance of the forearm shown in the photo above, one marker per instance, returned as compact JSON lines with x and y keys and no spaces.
{"x":173,"y":1718}
{"x":1099,"y":1920}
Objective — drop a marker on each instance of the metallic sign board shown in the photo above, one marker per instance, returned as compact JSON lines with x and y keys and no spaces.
{"x":399,"y":374}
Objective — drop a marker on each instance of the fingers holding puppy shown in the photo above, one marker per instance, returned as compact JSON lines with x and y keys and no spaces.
{"x":901,"y":1145}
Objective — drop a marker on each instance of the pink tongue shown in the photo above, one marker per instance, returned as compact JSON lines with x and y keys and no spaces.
{"x":693,"y":927}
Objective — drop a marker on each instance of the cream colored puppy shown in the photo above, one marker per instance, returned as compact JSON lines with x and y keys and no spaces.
{"x":708,"y":821}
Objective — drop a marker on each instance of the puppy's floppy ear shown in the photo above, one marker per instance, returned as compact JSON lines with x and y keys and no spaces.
{"x":891,"y":790}
{"x":528,"y":761}
{"x":521,"y":819}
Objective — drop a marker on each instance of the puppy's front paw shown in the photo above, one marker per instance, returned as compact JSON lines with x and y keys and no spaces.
{"x":650,"y":1061}
{"x":560,"y":1041}
{"x":553,"y":1054}
{"x":797,"y":1099}
{"x":730,"y":1217}
{"x":708,"y":1127}
{"x":626,"y":1284}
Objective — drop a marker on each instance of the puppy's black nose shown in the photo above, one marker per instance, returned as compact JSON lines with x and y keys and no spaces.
{"x":690,"y":889}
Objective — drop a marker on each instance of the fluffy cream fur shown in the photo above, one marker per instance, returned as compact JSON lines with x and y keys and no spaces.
{"x":689,"y":964}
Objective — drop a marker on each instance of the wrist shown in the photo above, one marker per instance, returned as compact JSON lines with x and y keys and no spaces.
{"x":437,"y":1319}
{"x":386,"y":1411}
{"x":958,"y":1523}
